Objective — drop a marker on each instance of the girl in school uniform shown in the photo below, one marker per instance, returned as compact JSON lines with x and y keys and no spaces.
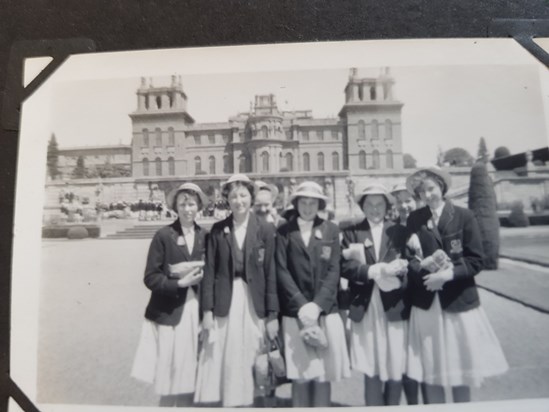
{"x":239,"y":299}
{"x":167,"y":352}
{"x":451,"y":341}
{"x":307,"y":257}
{"x":377,"y":287}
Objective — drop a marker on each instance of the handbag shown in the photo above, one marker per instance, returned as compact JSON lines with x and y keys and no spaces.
{"x":270,"y":367}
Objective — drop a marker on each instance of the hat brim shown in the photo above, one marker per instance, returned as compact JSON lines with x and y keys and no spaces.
{"x":388,"y":196}
{"x":173,"y":195}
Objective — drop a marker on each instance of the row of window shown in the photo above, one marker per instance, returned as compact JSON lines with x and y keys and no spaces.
{"x":158,"y":167}
{"x":362,"y":164}
{"x":158,"y":137}
{"x":374,"y":129}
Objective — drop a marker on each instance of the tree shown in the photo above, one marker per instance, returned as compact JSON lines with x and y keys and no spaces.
{"x":501,"y":151}
{"x":409,"y":161}
{"x":79,"y":171}
{"x":482,"y":150}
{"x":53,"y":157}
{"x":458,"y":157}
{"x":483,"y":203}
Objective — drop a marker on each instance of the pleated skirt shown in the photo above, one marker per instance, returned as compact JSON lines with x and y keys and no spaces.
{"x":453,"y":349}
{"x":378,"y":347}
{"x":166,"y":356}
{"x":225,"y":369}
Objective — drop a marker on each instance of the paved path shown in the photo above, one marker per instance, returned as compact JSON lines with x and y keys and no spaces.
{"x":91,"y":311}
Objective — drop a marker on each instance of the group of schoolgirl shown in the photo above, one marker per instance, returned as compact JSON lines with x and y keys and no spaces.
{"x":414,"y":309}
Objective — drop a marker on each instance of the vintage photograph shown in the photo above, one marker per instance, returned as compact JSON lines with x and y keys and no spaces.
{"x":230,"y":228}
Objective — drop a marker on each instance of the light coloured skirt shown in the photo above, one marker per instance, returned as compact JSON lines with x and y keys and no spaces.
{"x":303,"y":362}
{"x":453,"y":349}
{"x":167,"y":355}
{"x":378,"y":347}
{"x":225,"y":368}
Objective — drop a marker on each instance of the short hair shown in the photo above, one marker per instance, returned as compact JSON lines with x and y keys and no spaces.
{"x":363,"y":198}
{"x":425,"y":174}
{"x":187,"y":192}
{"x":321,"y":203}
{"x":229,"y":187}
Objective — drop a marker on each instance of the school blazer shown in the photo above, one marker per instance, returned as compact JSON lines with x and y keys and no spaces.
{"x":393,"y":241}
{"x":307,"y":273}
{"x":259,"y":247}
{"x":458,"y":235}
{"x":167,"y":299}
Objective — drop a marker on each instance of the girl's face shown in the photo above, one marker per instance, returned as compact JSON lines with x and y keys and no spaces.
{"x":307,"y":207}
{"x":187,"y":208}
{"x":405,"y":203}
{"x":374,"y":208}
{"x":240,"y":200}
{"x":431,"y":193}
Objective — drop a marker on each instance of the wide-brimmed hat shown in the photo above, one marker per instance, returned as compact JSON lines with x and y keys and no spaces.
{"x":374,"y":189}
{"x":170,"y":199}
{"x":310,"y":189}
{"x":400,"y":187}
{"x":261,"y":185}
{"x":415,"y":179}
{"x":239,"y":177}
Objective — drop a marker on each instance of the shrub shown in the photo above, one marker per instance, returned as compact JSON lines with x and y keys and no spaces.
{"x":518,"y":218}
{"x":77,"y":232}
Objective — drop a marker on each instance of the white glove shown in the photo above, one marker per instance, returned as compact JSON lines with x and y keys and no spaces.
{"x":376,"y":270}
{"x":308,"y":314}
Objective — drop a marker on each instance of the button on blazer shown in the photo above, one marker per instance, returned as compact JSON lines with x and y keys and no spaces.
{"x":167,"y":299}
{"x":259,"y":246}
{"x":457,"y":233}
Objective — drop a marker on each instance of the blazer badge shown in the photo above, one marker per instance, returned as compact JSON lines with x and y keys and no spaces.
{"x":261,"y":255}
{"x":455,"y":246}
{"x":326,"y":252}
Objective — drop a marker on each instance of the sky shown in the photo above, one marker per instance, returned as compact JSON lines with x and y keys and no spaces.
{"x":446,"y":106}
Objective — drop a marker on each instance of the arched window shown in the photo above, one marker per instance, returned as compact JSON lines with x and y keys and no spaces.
{"x":388,"y":129}
{"x":335,"y":161}
{"x":306,"y":162}
{"x":146,"y":137}
{"x":289,"y":162}
{"x":375,"y":159}
{"x":361,"y":130}
{"x":145,"y":167}
{"x":242,"y":164}
{"x":171,"y":137}
{"x":362,"y":159}
{"x":171,"y":166}
{"x":375,"y":129}
{"x":211,"y":165}
{"x":264,"y":162}
{"x":197,"y":165}
{"x":226,"y":163}
{"x":320,"y":161}
{"x":158,"y":164}
{"x":264,"y":133}
{"x":158,"y":134}
{"x":389,"y":159}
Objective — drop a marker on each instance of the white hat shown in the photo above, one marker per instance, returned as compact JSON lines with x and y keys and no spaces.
{"x":237,"y":178}
{"x":170,"y":199}
{"x":374,"y":189}
{"x":413,"y":181}
{"x":400,"y":187}
{"x":261,"y":185}
{"x":310,"y":189}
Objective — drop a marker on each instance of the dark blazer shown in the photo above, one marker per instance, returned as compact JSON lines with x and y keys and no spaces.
{"x":458,"y":235}
{"x":167,"y":299}
{"x":259,"y":246}
{"x":393,"y":242}
{"x":307,"y":273}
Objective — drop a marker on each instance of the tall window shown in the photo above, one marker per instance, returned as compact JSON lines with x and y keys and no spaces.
{"x":171,"y":137}
{"x":242,"y":164}
{"x":361,"y":130}
{"x":334,"y":135}
{"x":171,"y":166}
{"x":264,"y":132}
{"x":373,"y":93}
{"x":389,"y":159}
{"x":335,"y":161}
{"x":375,"y":129}
{"x":289,"y":162}
{"x":158,"y":164}
{"x":197,"y":139}
{"x":320,"y":134}
{"x":158,"y":134}
{"x":146,"y":137}
{"x":145,"y":167}
{"x":375,"y":159}
{"x":211,"y":165}
{"x":305,"y":135}
{"x":211,"y":138}
{"x":197,"y":165}
{"x":226,"y":163}
{"x":320,"y":161}
{"x":362,"y":159}
{"x":306,"y":162}
{"x":264,"y":162}
{"x":388,"y":129}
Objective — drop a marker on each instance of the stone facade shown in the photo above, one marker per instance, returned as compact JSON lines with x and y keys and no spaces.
{"x":94,"y":157}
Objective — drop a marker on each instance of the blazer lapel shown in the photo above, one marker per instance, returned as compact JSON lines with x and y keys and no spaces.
{"x":197,"y":246}
{"x":445,"y":218}
{"x":434,"y":228}
{"x":364,"y":236}
{"x":313,"y":241}
{"x":385,"y":242}
{"x":176,"y":232}
{"x":228,"y":228}
{"x":295,"y":233}
{"x":251,"y":238}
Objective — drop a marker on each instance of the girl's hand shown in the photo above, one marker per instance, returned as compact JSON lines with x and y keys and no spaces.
{"x":272,"y":328}
{"x":207,"y":320}
{"x":308,"y":313}
{"x":435,"y":281}
{"x":191,"y":278}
